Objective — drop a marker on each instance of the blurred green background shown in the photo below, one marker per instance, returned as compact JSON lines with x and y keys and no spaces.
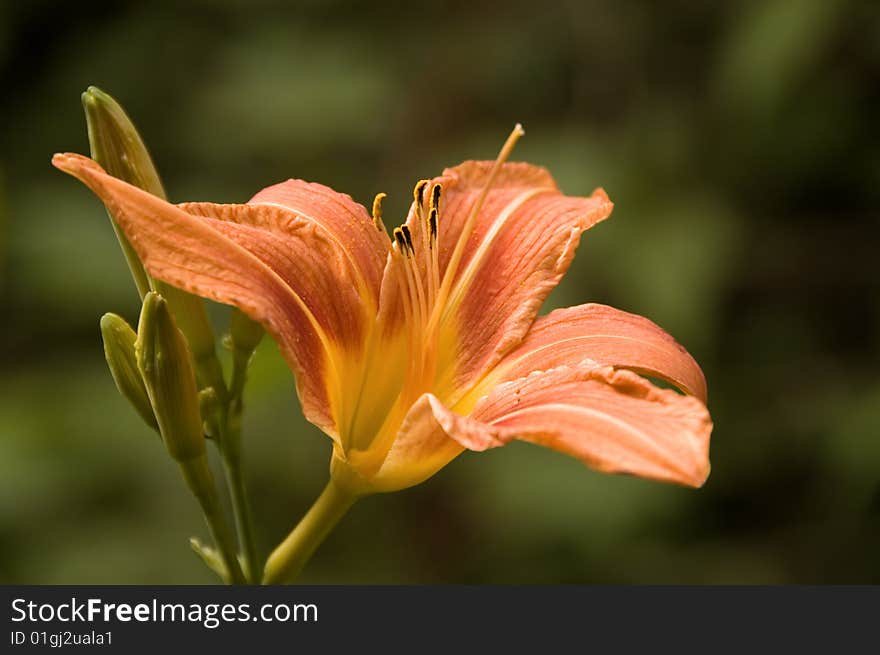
{"x":738,"y":140}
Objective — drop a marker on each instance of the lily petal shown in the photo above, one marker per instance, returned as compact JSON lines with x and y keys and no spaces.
{"x":283,"y":270}
{"x":607,"y":336}
{"x":308,"y":259}
{"x":346,"y":220}
{"x":429,"y":438}
{"x":525,"y":237}
{"x":612,"y":420}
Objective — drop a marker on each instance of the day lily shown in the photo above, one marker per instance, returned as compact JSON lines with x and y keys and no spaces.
{"x":412,"y":346}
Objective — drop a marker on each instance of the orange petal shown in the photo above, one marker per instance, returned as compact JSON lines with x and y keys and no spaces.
{"x":346,"y":291}
{"x":524,"y":240}
{"x":307,"y":258}
{"x":606,"y":336}
{"x":614,"y":421}
{"x":343,"y":218}
{"x":284,"y":271}
{"x":428,"y":439}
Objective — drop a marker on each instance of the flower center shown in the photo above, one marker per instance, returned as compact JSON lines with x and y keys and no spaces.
{"x":402,"y":365}
{"x":425,"y":293}
{"x":416,"y":263}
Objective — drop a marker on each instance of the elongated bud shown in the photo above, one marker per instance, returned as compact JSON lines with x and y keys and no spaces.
{"x":119,"y":339}
{"x":165,"y":363}
{"x":117,"y":146}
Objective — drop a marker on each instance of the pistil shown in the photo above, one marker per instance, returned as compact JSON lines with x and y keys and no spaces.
{"x":469,"y":225}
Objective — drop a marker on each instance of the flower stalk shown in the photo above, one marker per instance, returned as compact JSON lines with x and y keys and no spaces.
{"x":230,"y":453}
{"x":165,"y":364}
{"x":288,"y":559}
{"x":116,"y":144}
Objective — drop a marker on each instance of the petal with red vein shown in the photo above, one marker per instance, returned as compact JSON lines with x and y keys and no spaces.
{"x":525,"y":237}
{"x":236,"y":264}
{"x":307,"y":258}
{"x":347,"y":221}
{"x":607,"y":336}
{"x":614,"y":421}
{"x":428,"y":439}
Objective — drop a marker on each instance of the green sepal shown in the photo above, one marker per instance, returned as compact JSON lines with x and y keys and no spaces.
{"x":210,"y":557}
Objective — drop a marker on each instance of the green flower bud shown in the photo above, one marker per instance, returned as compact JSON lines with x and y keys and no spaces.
{"x":192,"y":319}
{"x":245,"y":333}
{"x":243,"y":338}
{"x":119,"y":339}
{"x":116,"y":145}
{"x":165,"y":363}
{"x":210,"y":407}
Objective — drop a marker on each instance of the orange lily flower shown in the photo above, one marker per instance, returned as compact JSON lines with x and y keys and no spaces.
{"x":411,"y":347}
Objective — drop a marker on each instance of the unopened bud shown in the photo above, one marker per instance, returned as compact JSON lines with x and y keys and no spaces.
{"x":116,"y":145}
{"x":245,"y":333}
{"x":243,"y":338}
{"x":209,"y":404}
{"x":165,"y":363}
{"x":192,"y":319}
{"x":119,"y":339}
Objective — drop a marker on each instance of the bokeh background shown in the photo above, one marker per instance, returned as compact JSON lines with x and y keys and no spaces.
{"x":738,"y":140}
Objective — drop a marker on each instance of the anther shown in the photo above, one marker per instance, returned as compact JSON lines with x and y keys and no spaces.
{"x":407,"y":235}
{"x":432,"y":223}
{"x":419,"y":192}
{"x":435,"y":196}
{"x":401,"y":241}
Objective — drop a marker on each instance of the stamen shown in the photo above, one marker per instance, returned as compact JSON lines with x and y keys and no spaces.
{"x":435,"y":196}
{"x":416,"y":302}
{"x":403,"y":242}
{"x":416,"y":274}
{"x":377,"y":212}
{"x":435,"y":257}
{"x":427,"y":243}
{"x":405,"y":290}
{"x":432,"y":226}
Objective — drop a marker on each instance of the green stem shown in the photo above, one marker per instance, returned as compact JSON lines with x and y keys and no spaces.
{"x":241,"y":510}
{"x":198,"y":477}
{"x":230,"y":452}
{"x":286,"y":562}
